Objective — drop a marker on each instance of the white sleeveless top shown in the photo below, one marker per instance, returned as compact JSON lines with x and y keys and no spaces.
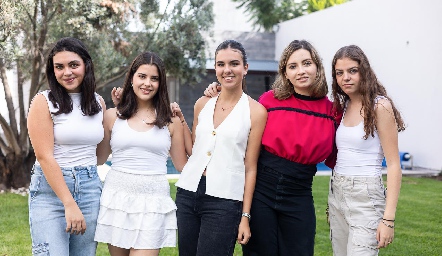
{"x":220,"y":152}
{"x":357,"y":156}
{"x":75,"y":135}
{"x":139,"y":152}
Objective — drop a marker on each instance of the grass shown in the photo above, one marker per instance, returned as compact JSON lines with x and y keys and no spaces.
{"x":418,"y":221}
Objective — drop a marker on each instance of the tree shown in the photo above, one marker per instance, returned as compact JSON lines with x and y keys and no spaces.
{"x":29,"y":27}
{"x":317,"y":5}
{"x":267,"y":13}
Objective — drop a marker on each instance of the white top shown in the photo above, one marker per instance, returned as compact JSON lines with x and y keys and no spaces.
{"x":139,"y":152}
{"x":357,"y":156}
{"x":75,"y":135}
{"x":220,"y":152}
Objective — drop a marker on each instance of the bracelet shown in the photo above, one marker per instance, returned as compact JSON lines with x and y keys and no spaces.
{"x":184,"y":120}
{"x":247,"y":215}
{"x":388,"y":220}
{"x":388,"y":225}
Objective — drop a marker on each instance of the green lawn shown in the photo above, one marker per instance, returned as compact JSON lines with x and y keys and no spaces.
{"x":418,"y":221}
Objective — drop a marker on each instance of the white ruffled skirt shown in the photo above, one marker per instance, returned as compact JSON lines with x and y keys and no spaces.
{"x":136,"y":211}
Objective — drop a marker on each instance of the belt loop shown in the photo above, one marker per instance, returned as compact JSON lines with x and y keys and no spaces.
{"x":91,"y":171}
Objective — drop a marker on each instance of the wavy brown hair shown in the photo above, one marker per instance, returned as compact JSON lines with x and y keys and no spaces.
{"x":128,"y":104}
{"x":369,"y":88}
{"x":283,"y":88}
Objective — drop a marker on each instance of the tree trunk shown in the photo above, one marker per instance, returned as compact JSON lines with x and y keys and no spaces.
{"x":15,"y":170}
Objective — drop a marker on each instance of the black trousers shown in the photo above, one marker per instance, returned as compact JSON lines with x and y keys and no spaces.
{"x":283,"y":216}
{"x":207,"y":225}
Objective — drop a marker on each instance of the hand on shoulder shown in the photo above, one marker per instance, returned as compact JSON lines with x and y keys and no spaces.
{"x":212,"y":90}
{"x":116,"y":95}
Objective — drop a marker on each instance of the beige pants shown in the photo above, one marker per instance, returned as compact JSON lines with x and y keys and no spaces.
{"x":356,"y":206}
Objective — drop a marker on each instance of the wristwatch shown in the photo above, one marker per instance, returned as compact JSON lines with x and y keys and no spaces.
{"x":246,"y":214}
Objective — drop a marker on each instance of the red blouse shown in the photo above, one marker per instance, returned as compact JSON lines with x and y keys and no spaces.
{"x":300,"y":129}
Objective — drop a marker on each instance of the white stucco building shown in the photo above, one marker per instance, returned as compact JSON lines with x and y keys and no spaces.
{"x":403,"y":41}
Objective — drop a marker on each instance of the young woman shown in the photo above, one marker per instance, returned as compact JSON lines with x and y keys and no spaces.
{"x":361,"y":214}
{"x":65,"y":126}
{"x":137,"y":215}
{"x":299,"y":134}
{"x":215,"y":188}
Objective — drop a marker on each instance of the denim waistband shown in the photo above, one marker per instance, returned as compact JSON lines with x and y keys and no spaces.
{"x":91,"y":170}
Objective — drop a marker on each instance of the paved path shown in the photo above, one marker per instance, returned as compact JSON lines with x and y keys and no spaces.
{"x":415,"y":172}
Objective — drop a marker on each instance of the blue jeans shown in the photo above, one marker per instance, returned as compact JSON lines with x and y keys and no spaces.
{"x":283,"y":219}
{"x":47,"y":213}
{"x":207,"y":225}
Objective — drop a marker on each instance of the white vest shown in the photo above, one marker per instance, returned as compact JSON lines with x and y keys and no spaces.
{"x":220,"y":152}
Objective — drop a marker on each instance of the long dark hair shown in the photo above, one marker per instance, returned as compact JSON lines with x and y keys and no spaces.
{"x":128,"y":104}
{"x":369,"y":88}
{"x":232,"y":44}
{"x":58,"y":95}
{"x":283,"y":88}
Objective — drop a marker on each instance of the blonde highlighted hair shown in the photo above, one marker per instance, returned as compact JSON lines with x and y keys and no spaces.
{"x":283,"y":88}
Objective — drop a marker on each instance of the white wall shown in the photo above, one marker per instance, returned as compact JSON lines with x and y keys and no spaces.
{"x":403,"y":41}
{"x":229,"y":18}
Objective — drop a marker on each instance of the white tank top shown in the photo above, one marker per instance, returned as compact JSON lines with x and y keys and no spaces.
{"x":139,"y":152}
{"x":220,"y":152}
{"x":75,"y":135}
{"x":357,"y":156}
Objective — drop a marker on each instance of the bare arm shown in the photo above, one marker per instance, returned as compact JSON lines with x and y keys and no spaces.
{"x":177,"y":149}
{"x":104,"y":148}
{"x":176,"y":110}
{"x":41,"y":134}
{"x":388,"y":135}
{"x":189,"y":136}
{"x":258,"y":119}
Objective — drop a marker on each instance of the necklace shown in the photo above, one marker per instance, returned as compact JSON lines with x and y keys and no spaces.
{"x":144,"y":119}
{"x":224,"y":109}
